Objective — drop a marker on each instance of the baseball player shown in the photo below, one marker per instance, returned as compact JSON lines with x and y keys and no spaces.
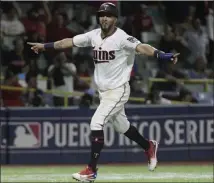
{"x":113,"y":55}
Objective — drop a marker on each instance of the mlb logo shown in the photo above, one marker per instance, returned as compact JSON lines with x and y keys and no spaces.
{"x":18,"y":135}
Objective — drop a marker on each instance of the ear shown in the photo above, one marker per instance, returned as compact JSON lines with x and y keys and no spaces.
{"x":115,"y":21}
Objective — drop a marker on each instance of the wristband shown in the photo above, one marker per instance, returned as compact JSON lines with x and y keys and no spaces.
{"x":156,"y":53}
{"x":161,"y":56}
{"x":49,"y":45}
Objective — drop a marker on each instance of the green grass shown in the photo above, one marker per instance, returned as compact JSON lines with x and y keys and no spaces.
{"x":123,"y":173}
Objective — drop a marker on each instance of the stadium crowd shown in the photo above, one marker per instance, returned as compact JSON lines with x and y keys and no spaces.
{"x":179,"y":27}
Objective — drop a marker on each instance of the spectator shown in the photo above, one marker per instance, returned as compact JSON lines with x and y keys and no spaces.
{"x":196,"y":41}
{"x":41,"y":60}
{"x":57,"y":29}
{"x":11,"y":98}
{"x":167,"y":42}
{"x":210,"y":25}
{"x":33,"y":98}
{"x":1,"y":100}
{"x":199,"y":70}
{"x":177,"y":11}
{"x":32,"y":37}
{"x":187,"y":24}
{"x":80,"y":21}
{"x":184,"y":95}
{"x":170,"y":73}
{"x":136,"y":86}
{"x":11,"y":27}
{"x":146,"y":20}
{"x":83,"y":69}
{"x":62,"y":74}
{"x":17,"y":8}
{"x":38,"y":18}
{"x":170,"y":42}
{"x":142,"y":22}
{"x":6,"y":5}
{"x":3,"y":53}
{"x":192,"y":11}
{"x":154,"y":97}
{"x":16,"y":59}
{"x":127,"y":26}
{"x":87,"y":99}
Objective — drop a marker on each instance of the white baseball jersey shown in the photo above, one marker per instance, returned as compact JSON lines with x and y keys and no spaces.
{"x":113,"y":56}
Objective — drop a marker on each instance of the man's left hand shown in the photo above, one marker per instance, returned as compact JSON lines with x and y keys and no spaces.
{"x":168,"y":57}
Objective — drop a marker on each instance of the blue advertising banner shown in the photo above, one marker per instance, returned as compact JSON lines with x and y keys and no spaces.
{"x":54,"y":135}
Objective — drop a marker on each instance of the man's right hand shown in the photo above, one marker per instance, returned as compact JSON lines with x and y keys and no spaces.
{"x":37,"y":47}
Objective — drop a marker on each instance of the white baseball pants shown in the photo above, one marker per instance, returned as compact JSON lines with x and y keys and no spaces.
{"x":111,"y":109}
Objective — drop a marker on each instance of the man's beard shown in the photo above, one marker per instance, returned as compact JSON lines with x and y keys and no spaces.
{"x":106,"y":29}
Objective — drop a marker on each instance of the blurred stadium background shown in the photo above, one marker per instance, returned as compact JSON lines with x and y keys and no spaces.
{"x":47,"y":99}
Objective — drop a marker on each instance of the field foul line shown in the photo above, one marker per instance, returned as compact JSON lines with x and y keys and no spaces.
{"x":104,"y":177}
